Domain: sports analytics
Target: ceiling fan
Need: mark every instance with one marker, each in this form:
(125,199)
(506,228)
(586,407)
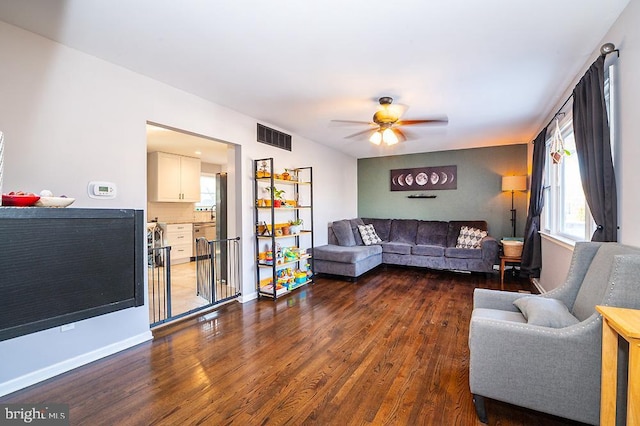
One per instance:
(386,123)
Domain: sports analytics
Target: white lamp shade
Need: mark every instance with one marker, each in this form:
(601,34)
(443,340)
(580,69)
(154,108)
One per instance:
(514,183)
(389,137)
(376,138)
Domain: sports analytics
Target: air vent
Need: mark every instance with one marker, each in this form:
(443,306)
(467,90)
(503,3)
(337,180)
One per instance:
(273,137)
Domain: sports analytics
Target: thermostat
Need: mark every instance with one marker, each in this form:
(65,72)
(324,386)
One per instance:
(102,189)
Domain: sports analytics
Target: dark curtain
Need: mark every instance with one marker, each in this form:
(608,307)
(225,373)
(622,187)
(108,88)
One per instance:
(593,147)
(531,251)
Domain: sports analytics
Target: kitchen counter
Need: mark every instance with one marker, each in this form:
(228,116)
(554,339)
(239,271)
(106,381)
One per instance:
(176,222)
(203,230)
(185,222)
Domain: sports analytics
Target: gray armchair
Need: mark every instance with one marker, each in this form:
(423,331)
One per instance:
(548,357)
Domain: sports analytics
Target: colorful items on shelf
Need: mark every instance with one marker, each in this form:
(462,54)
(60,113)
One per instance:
(288,174)
(290,278)
(268,289)
(263,171)
(300,276)
(290,255)
(283,255)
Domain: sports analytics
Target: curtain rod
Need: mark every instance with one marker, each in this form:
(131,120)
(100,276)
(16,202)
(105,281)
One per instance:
(605,49)
(559,111)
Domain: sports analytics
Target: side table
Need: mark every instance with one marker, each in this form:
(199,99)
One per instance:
(503,262)
(626,323)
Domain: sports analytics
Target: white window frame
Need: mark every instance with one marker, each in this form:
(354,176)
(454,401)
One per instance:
(202,206)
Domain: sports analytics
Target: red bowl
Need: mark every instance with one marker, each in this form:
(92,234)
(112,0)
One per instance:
(19,200)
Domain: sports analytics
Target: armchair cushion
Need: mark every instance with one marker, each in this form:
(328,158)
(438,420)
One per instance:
(497,314)
(545,312)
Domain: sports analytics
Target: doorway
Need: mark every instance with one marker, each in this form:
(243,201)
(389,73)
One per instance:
(179,214)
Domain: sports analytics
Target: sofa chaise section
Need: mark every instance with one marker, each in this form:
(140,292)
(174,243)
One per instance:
(346,261)
(346,254)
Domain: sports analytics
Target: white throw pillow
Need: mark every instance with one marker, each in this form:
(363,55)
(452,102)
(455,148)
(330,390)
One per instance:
(470,238)
(368,234)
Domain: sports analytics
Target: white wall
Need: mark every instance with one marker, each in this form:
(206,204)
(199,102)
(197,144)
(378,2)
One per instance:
(625,34)
(69,118)
(556,257)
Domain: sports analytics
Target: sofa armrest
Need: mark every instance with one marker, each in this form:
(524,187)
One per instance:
(490,249)
(495,299)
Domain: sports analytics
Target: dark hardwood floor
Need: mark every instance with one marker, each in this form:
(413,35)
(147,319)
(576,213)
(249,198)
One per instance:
(390,349)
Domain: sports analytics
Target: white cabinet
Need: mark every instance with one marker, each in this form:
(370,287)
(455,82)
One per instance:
(180,237)
(173,178)
(190,179)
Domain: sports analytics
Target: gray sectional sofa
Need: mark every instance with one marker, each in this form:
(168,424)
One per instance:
(409,242)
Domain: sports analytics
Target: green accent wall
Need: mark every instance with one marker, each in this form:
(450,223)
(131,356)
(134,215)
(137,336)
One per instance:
(479,194)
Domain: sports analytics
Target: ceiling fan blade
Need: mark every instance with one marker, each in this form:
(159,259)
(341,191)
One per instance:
(347,122)
(401,135)
(422,122)
(363,132)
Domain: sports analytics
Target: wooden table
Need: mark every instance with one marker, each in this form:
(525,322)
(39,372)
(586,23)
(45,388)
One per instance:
(503,261)
(626,323)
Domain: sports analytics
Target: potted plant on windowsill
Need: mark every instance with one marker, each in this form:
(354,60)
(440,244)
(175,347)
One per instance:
(278,198)
(295,226)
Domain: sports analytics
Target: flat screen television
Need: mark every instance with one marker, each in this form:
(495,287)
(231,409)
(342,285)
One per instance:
(61,265)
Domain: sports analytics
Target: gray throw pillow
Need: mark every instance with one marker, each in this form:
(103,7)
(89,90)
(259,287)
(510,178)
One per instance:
(343,232)
(354,229)
(545,312)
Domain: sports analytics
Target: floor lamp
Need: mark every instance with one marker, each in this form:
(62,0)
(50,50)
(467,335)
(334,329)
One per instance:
(514,183)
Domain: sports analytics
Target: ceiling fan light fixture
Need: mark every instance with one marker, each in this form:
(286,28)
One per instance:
(385,126)
(376,138)
(389,137)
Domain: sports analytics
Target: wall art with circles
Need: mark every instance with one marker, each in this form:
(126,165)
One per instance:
(424,178)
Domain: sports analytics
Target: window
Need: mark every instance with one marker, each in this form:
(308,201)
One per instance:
(566,213)
(207,192)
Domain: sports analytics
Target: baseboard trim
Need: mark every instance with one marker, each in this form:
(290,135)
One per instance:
(247,298)
(536,284)
(69,364)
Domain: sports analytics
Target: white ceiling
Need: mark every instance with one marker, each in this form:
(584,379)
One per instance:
(174,142)
(496,68)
